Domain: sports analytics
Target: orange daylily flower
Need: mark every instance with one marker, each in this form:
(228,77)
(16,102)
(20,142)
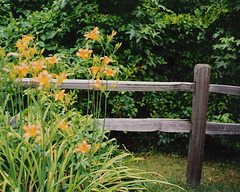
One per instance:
(62,76)
(64,125)
(94,34)
(26,54)
(33,50)
(23,43)
(41,52)
(6,70)
(94,70)
(42,79)
(110,72)
(60,95)
(106,60)
(14,54)
(96,59)
(83,147)
(52,60)
(98,85)
(113,33)
(38,139)
(26,39)
(12,73)
(37,65)
(84,53)
(22,70)
(20,45)
(109,38)
(31,130)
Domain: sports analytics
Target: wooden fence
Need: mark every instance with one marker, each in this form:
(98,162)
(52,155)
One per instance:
(197,126)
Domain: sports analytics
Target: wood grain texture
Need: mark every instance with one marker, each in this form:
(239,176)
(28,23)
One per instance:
(198,130)
(222,128)
(147,125)
(224,89)
(166,125)
(141,86)
(131,85)
(122,85)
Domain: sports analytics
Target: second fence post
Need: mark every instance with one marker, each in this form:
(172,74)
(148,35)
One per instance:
(199,117)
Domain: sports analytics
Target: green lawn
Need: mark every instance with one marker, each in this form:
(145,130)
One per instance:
(217,175)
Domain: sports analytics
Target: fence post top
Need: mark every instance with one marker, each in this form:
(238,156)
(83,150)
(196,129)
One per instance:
(202,66)
(201,69)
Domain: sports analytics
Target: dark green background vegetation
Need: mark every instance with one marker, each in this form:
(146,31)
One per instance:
(160,42)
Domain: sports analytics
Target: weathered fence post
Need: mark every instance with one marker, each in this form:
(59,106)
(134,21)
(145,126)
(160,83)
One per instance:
(199,117)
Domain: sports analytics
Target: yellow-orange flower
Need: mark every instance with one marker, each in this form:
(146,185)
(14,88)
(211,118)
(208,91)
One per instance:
(94,70)
(60,95)
(62,76)
(33,50)
(83,147)
(22,70)
(113,33)
(84,53)
(26,39)
(106,60)
(109,38)
(38,139)
(52,60)
(14,54)
(64,125)
(37,65)
(26,54)
(110,72)
(96,59)
(94,34)
(98,85)
(31,130)
(23,43)
(42,79)
(12,73)
(20,45)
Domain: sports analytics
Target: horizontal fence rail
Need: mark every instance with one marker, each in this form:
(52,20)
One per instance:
(147,125)
(141,86)
(167,125)
(158,124)
(122,85)
(224,89)
(197,127)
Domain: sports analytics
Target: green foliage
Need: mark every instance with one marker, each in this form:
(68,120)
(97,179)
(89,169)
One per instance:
(161,42)
(123,105)
(46,144)
(226,60)
(5,11)
(175,38)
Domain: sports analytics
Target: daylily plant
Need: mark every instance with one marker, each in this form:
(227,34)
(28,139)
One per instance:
(46,144)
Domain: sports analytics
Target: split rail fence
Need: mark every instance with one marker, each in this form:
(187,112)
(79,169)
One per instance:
(197,126)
